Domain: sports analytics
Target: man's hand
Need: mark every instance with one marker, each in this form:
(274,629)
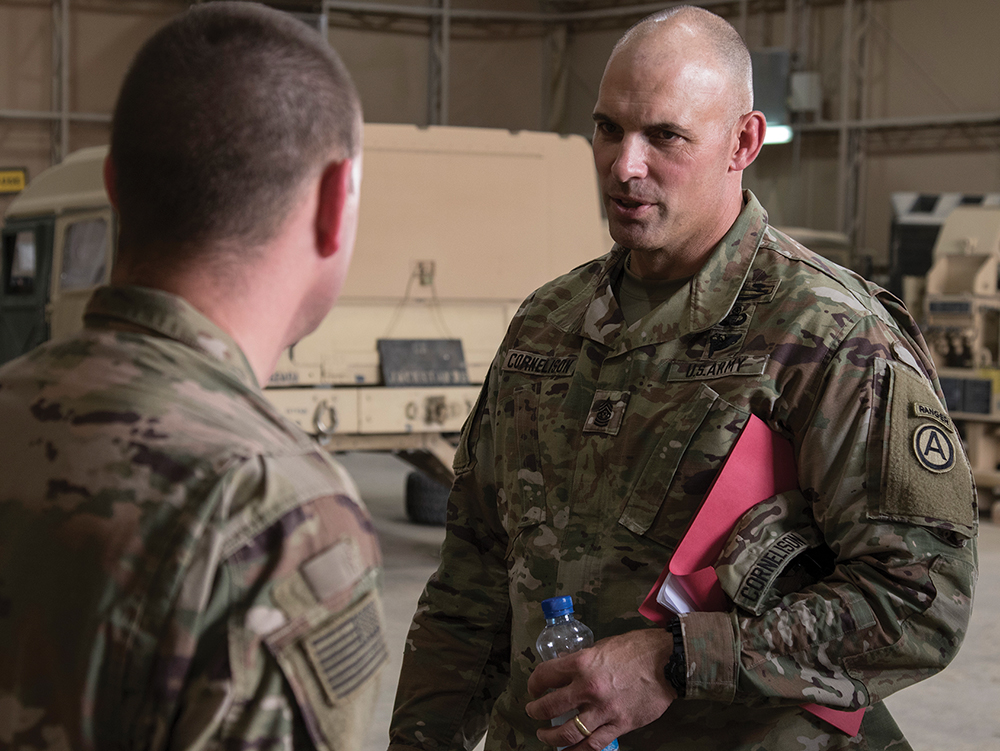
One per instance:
(617,686)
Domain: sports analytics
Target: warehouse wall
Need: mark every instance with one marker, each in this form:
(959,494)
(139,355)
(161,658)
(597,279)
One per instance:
(928,57)
(104,36)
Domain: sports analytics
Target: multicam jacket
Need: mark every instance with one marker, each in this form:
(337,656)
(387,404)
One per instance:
(593,446)
(180,567)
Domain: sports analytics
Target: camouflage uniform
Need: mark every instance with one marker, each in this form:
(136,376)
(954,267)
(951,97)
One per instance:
(594,444)
(179,566)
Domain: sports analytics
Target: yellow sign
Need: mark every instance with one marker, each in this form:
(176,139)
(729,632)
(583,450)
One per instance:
(13,180)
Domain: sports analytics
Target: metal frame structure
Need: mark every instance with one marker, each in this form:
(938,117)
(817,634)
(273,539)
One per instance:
(852,128)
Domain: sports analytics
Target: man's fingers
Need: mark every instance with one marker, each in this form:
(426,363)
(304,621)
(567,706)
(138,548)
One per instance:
(552,674)
(551,705)
(571,736)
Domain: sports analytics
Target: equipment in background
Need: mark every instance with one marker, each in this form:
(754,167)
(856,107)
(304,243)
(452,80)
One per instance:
(916,223)
(961,310)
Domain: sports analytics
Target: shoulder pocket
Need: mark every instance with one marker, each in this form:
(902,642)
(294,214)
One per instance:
(917,468)
(332,663)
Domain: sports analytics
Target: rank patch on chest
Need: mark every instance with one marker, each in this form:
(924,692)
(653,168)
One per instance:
(934,448)
(606,412)
(535,364)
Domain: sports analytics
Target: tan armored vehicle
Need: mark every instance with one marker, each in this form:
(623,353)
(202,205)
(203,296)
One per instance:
(457,226)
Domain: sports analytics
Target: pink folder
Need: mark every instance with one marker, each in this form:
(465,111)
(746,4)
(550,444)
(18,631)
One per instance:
(761,465)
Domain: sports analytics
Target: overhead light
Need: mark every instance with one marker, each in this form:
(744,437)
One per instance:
(778,134)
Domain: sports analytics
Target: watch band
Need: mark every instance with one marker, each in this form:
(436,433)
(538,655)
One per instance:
(675,671)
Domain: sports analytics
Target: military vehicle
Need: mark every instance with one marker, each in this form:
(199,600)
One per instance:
(457,226)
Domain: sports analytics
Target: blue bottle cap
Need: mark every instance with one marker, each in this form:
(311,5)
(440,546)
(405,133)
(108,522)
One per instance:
(557,606)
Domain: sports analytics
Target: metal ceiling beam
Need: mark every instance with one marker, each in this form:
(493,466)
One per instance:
(469,14)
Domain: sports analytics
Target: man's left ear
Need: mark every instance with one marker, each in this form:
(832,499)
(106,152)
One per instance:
(750,139)
(336,187)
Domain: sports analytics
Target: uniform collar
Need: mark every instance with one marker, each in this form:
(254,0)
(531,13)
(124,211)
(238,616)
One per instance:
(594,313)
(168,316)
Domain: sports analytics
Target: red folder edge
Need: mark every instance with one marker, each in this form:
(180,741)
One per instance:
(761,465)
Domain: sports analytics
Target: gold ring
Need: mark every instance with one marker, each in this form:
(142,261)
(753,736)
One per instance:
(581,727)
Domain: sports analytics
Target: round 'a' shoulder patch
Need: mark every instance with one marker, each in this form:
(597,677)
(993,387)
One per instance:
(934,448)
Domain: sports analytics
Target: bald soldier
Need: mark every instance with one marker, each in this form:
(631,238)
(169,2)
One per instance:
(581,480)
(180,566)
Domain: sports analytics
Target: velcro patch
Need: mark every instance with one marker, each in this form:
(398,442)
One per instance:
(761,577)
(334,570)
(606,412)
(702,370)
(926,478)
(934,448)
(933,412)
(759,291)
(349,650)
(535,364)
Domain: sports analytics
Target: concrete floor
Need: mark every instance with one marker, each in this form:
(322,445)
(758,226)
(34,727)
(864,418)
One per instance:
(958,710)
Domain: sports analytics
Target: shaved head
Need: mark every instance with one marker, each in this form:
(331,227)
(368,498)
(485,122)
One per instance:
(692,26)
(674,128)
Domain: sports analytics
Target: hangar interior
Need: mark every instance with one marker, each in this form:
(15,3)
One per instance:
(893,108)
(883,96)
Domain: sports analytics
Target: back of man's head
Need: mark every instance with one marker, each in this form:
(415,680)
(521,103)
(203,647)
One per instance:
(223,114)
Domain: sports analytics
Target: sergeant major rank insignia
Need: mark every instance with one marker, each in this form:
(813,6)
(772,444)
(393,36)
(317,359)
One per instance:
(606,412)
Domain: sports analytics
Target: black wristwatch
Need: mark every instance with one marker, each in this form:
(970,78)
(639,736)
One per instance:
(675,671)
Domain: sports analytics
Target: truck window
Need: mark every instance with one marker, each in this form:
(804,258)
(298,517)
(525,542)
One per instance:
(19,263)
(84,254)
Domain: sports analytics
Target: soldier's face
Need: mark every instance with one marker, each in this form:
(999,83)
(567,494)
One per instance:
(664,142)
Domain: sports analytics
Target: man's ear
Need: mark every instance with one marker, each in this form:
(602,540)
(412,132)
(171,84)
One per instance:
(335,188)
(750,139)
(111,181)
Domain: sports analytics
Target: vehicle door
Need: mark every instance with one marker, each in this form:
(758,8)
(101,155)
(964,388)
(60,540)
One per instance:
(27,255)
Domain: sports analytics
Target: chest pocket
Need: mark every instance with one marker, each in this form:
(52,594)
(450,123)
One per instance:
(666,495)
(521,460)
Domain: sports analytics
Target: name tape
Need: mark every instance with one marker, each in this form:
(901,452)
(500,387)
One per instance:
(535,364)
(698,370)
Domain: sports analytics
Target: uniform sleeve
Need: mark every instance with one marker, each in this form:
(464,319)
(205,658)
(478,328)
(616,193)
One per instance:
(456,659)
(281,613)
(890,496)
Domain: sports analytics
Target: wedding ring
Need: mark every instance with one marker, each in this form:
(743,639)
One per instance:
(581,727)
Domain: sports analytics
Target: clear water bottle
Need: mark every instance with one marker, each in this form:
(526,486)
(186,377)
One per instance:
(564,634)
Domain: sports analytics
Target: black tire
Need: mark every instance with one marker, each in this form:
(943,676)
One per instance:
(426,500)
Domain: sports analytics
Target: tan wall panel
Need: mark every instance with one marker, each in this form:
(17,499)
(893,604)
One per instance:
(389,71)
(102,45)
(496,83)
(25,57)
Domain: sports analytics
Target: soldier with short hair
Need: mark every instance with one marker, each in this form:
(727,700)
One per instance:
(580,474)
(180,566)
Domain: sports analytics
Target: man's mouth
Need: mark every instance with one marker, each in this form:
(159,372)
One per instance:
(627,203)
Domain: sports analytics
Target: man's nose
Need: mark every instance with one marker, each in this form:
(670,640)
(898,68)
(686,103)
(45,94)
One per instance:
(630,161)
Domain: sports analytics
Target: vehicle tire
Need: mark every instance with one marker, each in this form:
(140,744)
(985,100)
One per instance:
(426,500)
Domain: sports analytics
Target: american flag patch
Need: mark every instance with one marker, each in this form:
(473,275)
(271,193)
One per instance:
(349,651)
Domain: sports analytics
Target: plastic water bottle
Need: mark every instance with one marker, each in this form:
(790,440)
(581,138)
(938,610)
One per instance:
(564,634)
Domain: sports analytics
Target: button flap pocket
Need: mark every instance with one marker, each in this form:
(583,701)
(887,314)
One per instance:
(646,495)
(773,550)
